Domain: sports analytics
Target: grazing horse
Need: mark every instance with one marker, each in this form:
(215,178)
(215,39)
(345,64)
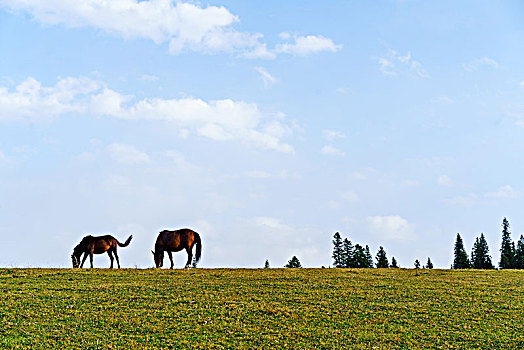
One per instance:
(97,245)
(175,241)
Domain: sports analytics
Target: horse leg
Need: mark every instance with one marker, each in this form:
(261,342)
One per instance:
(117,260)
(189,257)
(90,249)
(83,260)
(171,259)
(110,258)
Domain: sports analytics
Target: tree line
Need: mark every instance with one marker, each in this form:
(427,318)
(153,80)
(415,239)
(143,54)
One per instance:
(511,257)
(347,255)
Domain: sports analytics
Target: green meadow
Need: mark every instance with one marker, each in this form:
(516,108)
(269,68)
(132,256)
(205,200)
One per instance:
(261,308)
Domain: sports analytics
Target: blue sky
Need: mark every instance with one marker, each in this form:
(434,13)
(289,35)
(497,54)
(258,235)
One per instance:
(265,126)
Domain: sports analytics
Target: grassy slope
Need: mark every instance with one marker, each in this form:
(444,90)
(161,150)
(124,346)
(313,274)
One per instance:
(274,308)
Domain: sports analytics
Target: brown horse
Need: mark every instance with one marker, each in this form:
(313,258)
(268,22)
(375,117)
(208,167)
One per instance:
(97,245)
(175,241)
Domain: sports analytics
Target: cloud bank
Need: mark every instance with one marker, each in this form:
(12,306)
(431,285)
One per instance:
(183,26)
(219,120)
(393,227)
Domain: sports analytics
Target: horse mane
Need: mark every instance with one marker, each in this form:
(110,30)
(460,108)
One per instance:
(80,247)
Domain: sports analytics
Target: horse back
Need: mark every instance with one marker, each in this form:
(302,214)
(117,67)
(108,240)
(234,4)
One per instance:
(175,240)
(98,244)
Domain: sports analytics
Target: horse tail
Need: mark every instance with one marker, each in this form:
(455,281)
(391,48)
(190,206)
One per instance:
(198,243)
(128,240)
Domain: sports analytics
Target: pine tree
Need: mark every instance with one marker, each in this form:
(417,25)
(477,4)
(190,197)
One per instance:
(461,260)
(417,264)
(480,258)
(293,263)
(359,256)
(266,265)
(519,254)
(382,260)
(369,257)
(394,262)
(337,251)
(347,253)
(429,264)
(507,248)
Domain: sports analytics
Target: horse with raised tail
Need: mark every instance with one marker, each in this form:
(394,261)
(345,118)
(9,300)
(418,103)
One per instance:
(90,245)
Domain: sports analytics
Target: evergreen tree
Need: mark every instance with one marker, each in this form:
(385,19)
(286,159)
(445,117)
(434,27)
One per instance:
(519,254)
(359,257)
(417,264)
(266,265)
(394,262)
(293,263)
(369,257)
(480,258)
(461,260)
(507,248)
(347,253)
(429,264)
(338,253)
(382,260)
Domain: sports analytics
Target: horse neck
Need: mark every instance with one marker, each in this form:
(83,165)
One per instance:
(78,250)
(159,244)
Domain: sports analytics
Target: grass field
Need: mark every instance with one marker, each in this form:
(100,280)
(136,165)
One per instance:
(265,308)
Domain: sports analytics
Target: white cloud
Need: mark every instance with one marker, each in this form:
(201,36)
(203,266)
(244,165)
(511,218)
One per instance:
(521,83)
(480,62)
(258,174)
(285,36)
(184,133)
(443,99)
(305,45)
(444,180)
(272,223)
(3,158)
(503,192)
(127,154)
(350,196)
(359,175)
(116,181)
(179,160)
(387,66)
(330,150)
(260,51)
(267,78)
(411,183)
(32,102)
(183,25)
(463,200)
(395,64)
(391,227)
(520,123)
(86,157)
(219,120)
(147,77)
(261,174)
(332,134)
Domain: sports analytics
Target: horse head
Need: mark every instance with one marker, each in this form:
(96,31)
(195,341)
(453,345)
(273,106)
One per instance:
(75,260)
(158,257)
